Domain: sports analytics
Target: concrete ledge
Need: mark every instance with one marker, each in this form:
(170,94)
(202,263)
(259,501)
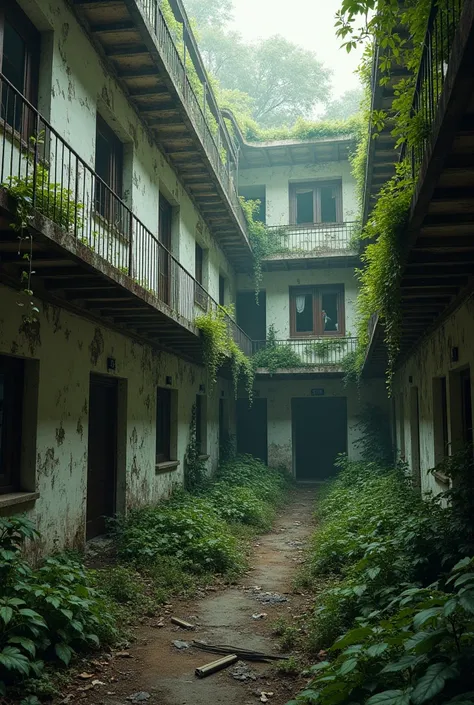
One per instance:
(167,466)
(16,499)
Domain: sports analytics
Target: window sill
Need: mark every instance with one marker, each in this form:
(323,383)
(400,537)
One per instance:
(166,466)
(203,456)
(441,477)
(16,499)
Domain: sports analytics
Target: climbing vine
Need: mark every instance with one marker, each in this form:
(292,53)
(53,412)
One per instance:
(263,241)
(194,467)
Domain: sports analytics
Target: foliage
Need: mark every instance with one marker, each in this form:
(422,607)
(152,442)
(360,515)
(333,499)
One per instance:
(375,441)
(324,348)
(344,107)
(219,345)
(213,13)
(402,583)
(274,356)
(194,468)
(303,129)
(45,613)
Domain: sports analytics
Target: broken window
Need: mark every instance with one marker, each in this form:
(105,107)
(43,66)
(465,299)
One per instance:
(315,203)
(316,311)
(11,398)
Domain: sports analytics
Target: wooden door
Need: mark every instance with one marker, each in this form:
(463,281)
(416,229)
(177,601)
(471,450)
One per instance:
(102,454)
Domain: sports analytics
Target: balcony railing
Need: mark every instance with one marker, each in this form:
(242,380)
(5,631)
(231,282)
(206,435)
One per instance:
(313,352)
(442,24)
(209,124)
(318,239)
(45,173)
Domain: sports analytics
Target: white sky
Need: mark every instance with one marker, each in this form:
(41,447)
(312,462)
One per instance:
(309,23)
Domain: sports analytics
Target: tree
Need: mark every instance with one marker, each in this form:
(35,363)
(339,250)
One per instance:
(210,13)
(345,106)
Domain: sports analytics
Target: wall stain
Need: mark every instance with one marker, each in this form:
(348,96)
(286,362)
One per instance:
(60,434)
(96,347)
(80,428)
(31,331)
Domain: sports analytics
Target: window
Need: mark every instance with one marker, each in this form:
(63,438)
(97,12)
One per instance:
(163,425)
(315,202)
(199,293)
(11,398)
(164,258)
(466,406)
(316,311)
(256,193)
(440,419)
(201,424)
(109,167)
(221,290)
(19,61)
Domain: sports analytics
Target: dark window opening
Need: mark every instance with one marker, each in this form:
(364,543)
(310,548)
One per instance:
(256,193)
(11,402)
(305,208)
(328,204)
(19,62)
(109,167)
(466,406)
(164,258)
(221,290)
(199,419)
(251,317)
(163,425)
(317,311)
(199,293)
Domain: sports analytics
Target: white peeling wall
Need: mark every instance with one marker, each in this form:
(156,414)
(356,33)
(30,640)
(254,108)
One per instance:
(279,394)
(68,349)
(277,178)
(433,359)
(74,86)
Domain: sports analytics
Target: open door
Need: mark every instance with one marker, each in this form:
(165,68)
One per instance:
(252,428)
(102,454)
(319,435)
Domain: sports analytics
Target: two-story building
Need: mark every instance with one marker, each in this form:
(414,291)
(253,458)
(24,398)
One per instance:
(305,414)
(119,224)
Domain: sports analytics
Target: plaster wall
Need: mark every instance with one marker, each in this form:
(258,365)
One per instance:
(75,85)
(433,359)
(67,349)
(277,284)
(279,394)
(276,180)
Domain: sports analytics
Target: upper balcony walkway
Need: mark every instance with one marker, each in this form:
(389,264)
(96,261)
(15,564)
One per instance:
(89,252)
(326,355)
(309,246)
(163,76)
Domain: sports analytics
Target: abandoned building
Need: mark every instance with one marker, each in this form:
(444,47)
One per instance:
(120,224)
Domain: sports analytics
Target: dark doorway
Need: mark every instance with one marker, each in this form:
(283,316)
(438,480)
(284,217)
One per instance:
(319,434)
(466,403)
(252,428)
(252,317)
(164,258)
(102,460)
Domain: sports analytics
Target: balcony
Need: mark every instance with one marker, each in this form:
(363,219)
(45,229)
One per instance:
(324,356)
(163,76)
(309,246)
(89,251)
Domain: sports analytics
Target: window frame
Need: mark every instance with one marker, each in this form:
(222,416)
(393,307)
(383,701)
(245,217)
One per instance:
(107,206)
(23,26)
(317,292)
(12,430)
(200,294)
(163,425)
(315,187)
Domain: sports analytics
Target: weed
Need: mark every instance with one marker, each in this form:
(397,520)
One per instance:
(289,667)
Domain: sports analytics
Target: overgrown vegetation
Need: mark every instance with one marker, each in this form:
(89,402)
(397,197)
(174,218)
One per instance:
(276,355)
(397,617)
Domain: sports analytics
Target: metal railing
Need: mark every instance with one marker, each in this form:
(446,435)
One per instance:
(46,174)
(442,24)
(317,239)
(312,352)
(211,130)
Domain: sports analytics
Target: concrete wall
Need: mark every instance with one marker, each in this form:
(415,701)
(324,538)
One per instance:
(67,349)
(279,394)
(432,360)
(276,180)
(74,86)
(277,284)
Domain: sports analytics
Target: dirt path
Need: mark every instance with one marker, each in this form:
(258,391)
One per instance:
(165,674)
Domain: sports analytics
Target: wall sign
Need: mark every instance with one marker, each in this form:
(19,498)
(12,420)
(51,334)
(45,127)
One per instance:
(111,364)
(317,392)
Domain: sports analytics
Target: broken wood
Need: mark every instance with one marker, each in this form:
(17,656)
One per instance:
(215,666)
(181,623)
(244,654)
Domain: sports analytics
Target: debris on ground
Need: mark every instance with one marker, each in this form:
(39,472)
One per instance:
(182,623)
(241,672)
(139,697)
(259,615)
(264,696)
(269,598)
(181,645)
(122,654)
(214,666)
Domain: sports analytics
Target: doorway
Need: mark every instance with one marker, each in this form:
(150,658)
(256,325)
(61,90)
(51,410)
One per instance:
(251,317)
(415,437)
(252,428)
(102,454)
(319,435)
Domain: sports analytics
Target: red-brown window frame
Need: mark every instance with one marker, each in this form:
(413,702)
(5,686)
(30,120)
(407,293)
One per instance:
(315,186)
(317,293)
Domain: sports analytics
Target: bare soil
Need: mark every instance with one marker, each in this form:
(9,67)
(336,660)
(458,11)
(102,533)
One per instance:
(154,666)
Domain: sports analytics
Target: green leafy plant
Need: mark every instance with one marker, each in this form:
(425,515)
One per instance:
(194,467)
(274,355)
